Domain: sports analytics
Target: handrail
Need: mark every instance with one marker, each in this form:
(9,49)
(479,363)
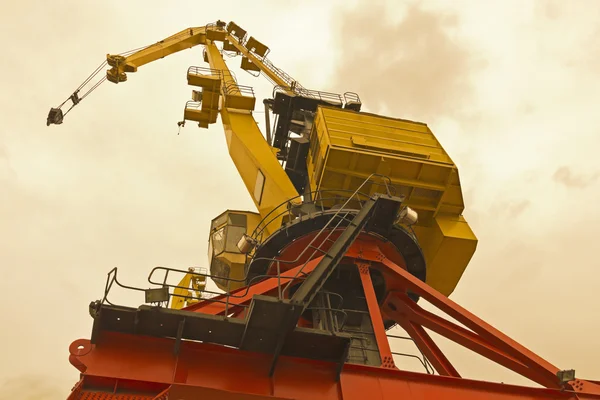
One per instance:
(205,71)
(222,298)
(193,104)
(387,183)
(325,227)
(426,363)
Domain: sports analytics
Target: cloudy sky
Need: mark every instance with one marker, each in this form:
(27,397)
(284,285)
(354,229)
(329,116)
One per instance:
(510,88)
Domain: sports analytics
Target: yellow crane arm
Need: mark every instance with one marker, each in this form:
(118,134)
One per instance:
(254,158)
(253,51)
(185,39)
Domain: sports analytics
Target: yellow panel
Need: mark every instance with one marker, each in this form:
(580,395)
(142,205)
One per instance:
(208,82)
(256,47)
(236,30)
(448,247)
(348,146)
(228,46)
(205,113)
(214,34)
(405,151)
(240,102)
(196,115)
(248,65)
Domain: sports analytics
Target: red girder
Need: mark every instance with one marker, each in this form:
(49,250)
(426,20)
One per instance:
(266,286)
(376,318)
(419,318)
(424,342)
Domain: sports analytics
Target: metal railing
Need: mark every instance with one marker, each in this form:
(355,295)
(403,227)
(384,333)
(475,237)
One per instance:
(341,214)
(194,105)
(206,294)
(324,235)
(335,313)
(232,88)
(328,97)
(351,97)
(422,359)
(284,76)
(229,86)
(329,229)
(205,71)
(337,197)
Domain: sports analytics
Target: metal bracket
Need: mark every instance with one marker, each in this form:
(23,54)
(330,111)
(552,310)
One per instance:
(178,338)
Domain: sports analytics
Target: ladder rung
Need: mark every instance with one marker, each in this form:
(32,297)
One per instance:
(317,249)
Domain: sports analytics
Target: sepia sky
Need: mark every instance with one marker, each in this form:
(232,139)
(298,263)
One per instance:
(510,88)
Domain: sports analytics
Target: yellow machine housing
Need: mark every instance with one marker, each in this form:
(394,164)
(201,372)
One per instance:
(348,146)
(227,262)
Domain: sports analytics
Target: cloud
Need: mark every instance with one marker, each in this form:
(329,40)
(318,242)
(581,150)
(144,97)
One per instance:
(6,171)
(417,67)
(565,176)
(510,208)
(548,8)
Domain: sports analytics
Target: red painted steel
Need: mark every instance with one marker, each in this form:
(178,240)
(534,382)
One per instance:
(202,369)
(245,294)
(127,365)
(387,360)
(424,342)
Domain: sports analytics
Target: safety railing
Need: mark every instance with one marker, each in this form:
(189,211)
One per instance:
(205,71)
(328,97)
(418,355)
(232,88)
(351,97)
(111,279)
(284,76)
(194,105)
(323,200)
(314,249)
(292,85)
(422,358)
(334,312)
(342,214)
(324,235)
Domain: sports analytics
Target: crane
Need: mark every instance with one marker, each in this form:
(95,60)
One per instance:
(407,151)
(359,216)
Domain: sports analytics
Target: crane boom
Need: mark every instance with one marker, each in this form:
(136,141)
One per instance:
(253,51)
(185,39)
(191,37)
(254,158)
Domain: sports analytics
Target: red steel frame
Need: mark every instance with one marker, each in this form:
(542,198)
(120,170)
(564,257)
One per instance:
(121,363)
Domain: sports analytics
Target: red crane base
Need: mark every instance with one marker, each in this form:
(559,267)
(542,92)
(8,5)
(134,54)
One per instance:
(128,366)
(146,368)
